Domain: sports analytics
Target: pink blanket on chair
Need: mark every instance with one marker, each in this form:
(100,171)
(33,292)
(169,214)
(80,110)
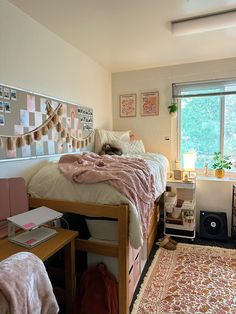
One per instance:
(130,176)
(25,286)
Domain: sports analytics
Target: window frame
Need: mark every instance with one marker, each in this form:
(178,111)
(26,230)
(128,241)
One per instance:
(222,95)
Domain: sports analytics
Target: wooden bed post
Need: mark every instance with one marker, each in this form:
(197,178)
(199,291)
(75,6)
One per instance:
(123,260)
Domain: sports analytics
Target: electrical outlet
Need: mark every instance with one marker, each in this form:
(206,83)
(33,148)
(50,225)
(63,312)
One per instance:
(57,223)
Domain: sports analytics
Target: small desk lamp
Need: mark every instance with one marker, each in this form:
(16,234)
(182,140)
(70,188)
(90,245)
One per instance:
(189,163)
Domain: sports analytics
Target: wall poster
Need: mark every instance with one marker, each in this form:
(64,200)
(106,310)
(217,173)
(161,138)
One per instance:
(149,104)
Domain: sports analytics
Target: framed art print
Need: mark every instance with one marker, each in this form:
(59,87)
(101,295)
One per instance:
(128,105)
(149,104)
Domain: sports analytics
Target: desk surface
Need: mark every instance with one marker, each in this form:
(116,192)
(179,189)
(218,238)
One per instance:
(181,183)
(44,250)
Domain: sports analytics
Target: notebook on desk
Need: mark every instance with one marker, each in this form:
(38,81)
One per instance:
(34,218)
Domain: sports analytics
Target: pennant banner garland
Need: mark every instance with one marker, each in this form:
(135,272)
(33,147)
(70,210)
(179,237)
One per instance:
(73,131)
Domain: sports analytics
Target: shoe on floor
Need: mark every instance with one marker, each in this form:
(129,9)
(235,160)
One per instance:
(167,243)
(172,240)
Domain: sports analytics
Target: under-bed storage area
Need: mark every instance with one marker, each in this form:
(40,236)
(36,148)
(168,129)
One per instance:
(137,257)
(129,261)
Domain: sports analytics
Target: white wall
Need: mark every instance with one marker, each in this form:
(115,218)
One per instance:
(211,195)
(153,130)
(215,196)
(33,58)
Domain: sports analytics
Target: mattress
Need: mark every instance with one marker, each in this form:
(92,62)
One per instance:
(49,183)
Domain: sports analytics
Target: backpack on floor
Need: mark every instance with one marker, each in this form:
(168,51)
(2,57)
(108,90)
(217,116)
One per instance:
(98,291)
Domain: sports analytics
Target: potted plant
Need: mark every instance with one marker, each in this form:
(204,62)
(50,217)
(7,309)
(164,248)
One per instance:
(220,163)
(173,108)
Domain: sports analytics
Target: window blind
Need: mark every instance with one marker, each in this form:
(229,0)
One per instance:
(204,88)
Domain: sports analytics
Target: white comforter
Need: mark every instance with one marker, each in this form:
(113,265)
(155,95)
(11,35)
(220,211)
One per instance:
(48,182)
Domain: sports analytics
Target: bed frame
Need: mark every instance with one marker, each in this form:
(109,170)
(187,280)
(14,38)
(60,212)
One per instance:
(120,250)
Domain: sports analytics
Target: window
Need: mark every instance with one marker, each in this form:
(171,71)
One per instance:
(207,119)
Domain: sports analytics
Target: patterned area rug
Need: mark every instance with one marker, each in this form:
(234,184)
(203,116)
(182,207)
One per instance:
(193,279)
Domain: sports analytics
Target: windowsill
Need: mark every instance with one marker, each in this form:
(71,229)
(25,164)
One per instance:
(212,178)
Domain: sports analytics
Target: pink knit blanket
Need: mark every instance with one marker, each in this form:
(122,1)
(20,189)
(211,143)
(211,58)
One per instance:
(130,176)
(25,287)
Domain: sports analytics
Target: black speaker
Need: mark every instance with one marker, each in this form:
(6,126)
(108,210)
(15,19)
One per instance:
(213,225)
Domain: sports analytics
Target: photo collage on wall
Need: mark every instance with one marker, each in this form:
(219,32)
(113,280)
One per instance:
(86,118)
(34,125)
(6,95)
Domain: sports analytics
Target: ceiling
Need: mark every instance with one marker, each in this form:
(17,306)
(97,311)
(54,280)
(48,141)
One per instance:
(124,35)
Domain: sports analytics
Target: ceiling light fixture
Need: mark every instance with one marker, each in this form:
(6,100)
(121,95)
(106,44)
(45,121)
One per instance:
(204,23)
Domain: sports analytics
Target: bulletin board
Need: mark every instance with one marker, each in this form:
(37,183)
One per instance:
(34,125)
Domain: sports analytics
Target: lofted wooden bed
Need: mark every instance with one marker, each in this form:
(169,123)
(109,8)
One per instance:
(129,260)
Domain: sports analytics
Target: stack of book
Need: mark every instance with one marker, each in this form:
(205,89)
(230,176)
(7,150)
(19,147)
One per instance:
(176,221)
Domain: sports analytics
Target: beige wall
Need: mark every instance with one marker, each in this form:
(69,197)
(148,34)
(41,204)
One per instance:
(33,58)
(215,195)
(153,130)
(211,195)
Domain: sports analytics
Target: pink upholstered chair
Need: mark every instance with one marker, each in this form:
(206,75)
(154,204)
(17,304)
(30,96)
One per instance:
(13,200)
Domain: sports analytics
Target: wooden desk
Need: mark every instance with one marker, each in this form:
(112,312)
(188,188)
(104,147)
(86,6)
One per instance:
(63,239)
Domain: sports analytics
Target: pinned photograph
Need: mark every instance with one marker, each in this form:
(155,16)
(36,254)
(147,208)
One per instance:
(69,148)
(73,132)
(61,148)
(51,147)
(54,135)
(68,123)
(54,104)
(7,107)
(149,104)
(39,148)
(79,134)
(1,91)
(128,105)
(13,94)
(1,106)
(76,123)
(73,111)
(64,110)
(24,117)
(43,104)
(26,151)
(31,103)
(11,153)
(2,119)
(38,119)
(19,129)
(6,93)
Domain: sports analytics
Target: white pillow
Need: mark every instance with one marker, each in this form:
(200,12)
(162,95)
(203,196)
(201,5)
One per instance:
(104,136)
(103,229)
(133,147)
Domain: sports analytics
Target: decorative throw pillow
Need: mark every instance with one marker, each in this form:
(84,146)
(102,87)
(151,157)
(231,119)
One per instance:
(104,136)
(133,147)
